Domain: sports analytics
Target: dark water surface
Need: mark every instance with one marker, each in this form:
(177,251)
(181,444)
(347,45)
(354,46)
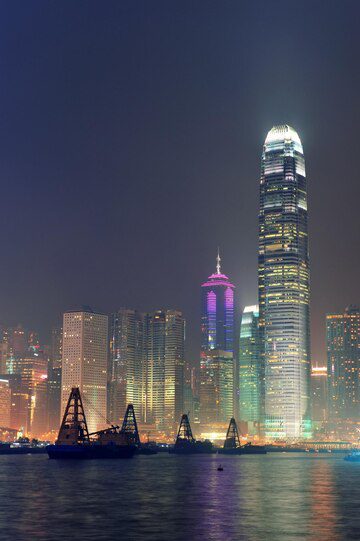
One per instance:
(167,497)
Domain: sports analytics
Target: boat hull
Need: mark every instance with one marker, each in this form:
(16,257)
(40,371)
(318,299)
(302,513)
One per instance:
(88,452)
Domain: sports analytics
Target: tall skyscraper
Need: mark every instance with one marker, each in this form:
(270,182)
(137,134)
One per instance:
(217,314)
(251,370)
(84,363)
(164,344)
(127,367)
(217,348)
(343,364)
(284,285)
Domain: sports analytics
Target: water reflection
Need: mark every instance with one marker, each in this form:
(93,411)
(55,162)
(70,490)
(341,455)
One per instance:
(171,498)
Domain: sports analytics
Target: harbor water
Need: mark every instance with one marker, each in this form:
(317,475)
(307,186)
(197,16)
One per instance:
(280,497)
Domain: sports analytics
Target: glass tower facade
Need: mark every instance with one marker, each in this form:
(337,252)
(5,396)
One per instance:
(343,368)
(284,285)
(251,373)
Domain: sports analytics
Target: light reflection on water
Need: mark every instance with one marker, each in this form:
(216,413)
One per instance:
(165,497)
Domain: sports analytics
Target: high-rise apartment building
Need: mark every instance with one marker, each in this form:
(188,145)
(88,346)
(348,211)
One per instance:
(217,348)
(84,363)
(127,366)
(164,345)
(343,364)
(251,369)
(284,285)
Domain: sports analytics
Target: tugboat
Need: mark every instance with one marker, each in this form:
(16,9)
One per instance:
(232,444)
(185,442)
(75,442)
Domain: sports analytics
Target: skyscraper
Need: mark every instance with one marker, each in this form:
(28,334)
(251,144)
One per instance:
(84,363)
(284,285)
(164,344)
(217,348)
(251,369)
(343,364)
(127,367)
(217,313)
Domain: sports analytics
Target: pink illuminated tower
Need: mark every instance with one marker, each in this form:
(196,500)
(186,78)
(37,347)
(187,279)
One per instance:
(217,314)
(217,347)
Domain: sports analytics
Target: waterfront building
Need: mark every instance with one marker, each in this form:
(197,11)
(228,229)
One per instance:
(343,364)
(164,345)
(251,370)
(5,403)
(284,285)
(319,383)
(32,369)
(216,387)
(217,344)
(84,363)
(127,366)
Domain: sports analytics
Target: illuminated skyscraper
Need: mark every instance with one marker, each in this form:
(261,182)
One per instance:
(164,343)
(343,367)
(217,348)
(127,374)
(284,285)
(251,369)
(84,363)
(5,403)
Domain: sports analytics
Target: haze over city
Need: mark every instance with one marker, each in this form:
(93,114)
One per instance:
(131,145)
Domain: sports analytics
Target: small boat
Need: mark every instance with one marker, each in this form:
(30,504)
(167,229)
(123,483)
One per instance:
(353,457)
(220,468)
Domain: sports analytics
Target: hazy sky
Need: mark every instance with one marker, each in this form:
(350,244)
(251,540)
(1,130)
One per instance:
(131,136)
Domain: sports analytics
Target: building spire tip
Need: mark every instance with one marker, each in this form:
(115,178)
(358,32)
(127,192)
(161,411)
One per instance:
(218,261)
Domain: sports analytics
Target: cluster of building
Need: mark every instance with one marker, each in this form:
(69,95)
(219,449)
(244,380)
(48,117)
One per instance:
(258,370)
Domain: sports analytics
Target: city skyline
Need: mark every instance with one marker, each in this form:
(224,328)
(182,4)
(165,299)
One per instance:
(178,146)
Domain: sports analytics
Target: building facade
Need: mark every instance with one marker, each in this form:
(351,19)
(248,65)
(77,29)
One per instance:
(251,369)
(164,346)
(319,394)
(284,290)
(127,366)
(343,364)
(84,363)
(54,379)
(217,387)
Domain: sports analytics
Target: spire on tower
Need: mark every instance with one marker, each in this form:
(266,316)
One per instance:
(218,260)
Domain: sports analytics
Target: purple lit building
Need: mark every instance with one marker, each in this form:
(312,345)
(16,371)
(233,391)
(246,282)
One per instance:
(217,314)
(217,347)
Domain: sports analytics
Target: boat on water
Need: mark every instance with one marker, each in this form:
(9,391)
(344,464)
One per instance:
(75,442)
(232,444)
(353,457)
(21,449)
(186,444)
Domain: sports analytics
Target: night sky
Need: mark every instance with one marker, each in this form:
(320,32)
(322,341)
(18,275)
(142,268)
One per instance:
(131,136)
